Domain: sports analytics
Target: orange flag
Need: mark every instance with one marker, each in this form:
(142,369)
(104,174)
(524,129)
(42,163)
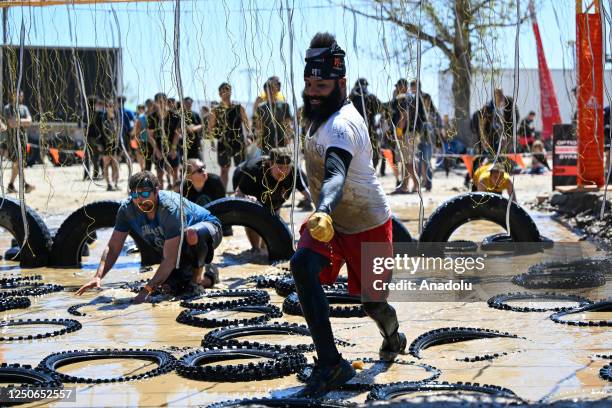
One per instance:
(469,162)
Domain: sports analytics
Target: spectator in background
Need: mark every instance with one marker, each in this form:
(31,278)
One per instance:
(498,123)
(408,140)
(93,135)
(275,83)
(143,152)
(526,131)
(111,146)
(539,164)
(193,130)
(368,106)
(429,136)
(273,121)
(18,120)
(163,127)
(228,122)
(125,122)
(200,186)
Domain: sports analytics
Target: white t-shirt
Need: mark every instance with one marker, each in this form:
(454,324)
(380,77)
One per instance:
(364,204)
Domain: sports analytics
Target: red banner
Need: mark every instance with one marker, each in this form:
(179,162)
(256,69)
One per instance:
(548,97)
(589,93)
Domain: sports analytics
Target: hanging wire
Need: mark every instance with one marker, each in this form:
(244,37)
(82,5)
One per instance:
(515,87)
(179,86)
(22,204)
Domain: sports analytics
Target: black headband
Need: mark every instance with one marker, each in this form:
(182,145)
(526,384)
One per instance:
(325,63)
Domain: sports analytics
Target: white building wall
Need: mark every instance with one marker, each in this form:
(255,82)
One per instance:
(528,98)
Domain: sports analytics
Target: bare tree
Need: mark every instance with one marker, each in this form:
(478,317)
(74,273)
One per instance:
(454,27)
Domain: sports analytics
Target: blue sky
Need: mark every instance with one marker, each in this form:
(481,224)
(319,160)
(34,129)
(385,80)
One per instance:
(224,40)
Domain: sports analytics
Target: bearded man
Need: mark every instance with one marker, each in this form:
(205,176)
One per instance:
(155,216)
(351,209)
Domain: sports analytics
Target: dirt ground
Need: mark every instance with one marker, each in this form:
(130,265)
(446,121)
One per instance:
(552,361)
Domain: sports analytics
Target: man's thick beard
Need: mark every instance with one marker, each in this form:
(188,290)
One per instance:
(328,106)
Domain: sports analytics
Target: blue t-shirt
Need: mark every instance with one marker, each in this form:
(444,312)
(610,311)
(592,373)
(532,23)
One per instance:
(167,222)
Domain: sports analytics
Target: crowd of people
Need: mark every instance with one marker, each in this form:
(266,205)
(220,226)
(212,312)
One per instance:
(404,132)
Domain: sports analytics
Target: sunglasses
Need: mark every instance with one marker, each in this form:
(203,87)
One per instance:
(143,194)
(200,170)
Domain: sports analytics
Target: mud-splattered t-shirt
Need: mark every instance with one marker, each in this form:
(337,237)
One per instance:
(167,222)
(364,205)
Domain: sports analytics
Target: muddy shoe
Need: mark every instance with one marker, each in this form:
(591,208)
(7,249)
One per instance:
(11,188)
(212,272)
(325,379)
(29,188)
(392,346)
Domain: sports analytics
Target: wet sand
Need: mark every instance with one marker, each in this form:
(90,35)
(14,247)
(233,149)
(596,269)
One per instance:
(553,361)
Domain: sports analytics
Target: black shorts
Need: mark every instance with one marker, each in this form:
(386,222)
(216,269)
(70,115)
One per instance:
(193,257)
(224,157)
(161,163)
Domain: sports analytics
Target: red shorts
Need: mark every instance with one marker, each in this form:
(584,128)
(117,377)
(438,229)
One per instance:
(347,248)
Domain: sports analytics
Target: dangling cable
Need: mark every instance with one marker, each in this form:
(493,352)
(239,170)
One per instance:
(296,127)
(128,159)
(22,203)
(514,97)
(179,86)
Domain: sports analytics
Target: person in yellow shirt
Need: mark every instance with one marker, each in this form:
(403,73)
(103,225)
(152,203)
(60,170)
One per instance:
(273,83)
(492,178)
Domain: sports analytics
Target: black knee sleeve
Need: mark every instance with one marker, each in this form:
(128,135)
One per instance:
(384,315)
(306,265)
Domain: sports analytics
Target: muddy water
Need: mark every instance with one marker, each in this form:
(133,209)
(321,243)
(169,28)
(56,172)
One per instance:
(552,360)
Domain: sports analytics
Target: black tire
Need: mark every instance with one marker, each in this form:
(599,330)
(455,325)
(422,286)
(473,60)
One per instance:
(286,286)
(284,403)
(606,372)
(192,317)
(74,309)
(226,336)
(25,287)
(478,206)
(291,305)
(461,245)
(400,232)
(13,254)
(449,335)
(244,297)
(390,391)
(68,325)
(10,303)
(576,274)
(27,376)
(277,364)
(603,306)
(80,227)
(502,241)
(165,363)
(266,281)
(15,280)
(35,252)
(358,384)
(245,213)
(501,301)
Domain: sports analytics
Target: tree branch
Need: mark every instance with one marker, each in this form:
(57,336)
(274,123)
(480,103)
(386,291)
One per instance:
(410,28)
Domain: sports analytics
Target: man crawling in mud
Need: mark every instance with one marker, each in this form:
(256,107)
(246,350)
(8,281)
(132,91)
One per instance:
(155,216)
(351,209)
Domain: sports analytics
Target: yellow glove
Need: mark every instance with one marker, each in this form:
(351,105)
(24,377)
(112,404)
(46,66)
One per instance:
(320,227)
(399,132)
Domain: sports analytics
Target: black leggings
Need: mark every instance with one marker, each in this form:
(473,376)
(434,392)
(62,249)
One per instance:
(305,267)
